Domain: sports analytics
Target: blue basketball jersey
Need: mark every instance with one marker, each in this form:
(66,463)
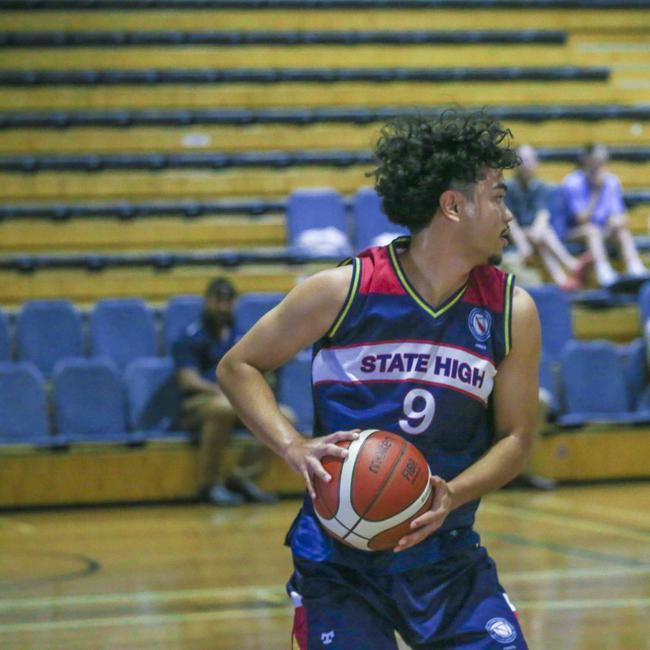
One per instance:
(393,362)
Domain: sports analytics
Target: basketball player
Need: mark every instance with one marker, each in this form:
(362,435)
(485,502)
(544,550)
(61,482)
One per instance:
(436,301)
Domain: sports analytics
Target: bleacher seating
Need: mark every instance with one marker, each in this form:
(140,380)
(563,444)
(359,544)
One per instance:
(294,390)
(122,330)
(317,223)
(372,226)
(5,338)
(89,402)
(153,398)
(179,312)
(48,331)
(23,409)
(594,386)
(250,307)
(555,318)
(193,117)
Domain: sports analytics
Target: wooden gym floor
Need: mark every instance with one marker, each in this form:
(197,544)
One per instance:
(576,562)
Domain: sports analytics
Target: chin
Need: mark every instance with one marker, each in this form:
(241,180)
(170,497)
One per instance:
(495,260)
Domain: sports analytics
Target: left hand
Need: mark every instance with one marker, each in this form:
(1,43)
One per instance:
(430,521)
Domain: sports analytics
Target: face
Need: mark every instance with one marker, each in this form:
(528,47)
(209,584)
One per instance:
(528,167)
(217,312)
(488,218)
(595,165)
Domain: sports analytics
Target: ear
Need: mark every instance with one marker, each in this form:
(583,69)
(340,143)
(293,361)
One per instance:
(450,205)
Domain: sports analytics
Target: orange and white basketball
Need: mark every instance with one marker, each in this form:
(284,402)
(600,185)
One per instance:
(375,492)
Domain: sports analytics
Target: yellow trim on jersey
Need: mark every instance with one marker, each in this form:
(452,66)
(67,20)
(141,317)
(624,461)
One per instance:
(508,310)
(354,285)
(413,293)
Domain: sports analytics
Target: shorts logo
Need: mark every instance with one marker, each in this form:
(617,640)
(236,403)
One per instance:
(479,322)
(327,637)
(501,630)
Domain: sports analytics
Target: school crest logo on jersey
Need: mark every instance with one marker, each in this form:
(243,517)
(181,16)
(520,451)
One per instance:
(480,322)
(501,630)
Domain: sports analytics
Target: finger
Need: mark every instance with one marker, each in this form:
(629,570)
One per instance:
(334,450)
(414,538)
(310,487)
(318,470)
(343,435)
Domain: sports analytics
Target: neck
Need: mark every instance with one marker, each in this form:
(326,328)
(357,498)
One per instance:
(435,265)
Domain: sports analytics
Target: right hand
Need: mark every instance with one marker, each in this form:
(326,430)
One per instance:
(304,456)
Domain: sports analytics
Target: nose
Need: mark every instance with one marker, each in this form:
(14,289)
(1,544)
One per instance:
(508,215)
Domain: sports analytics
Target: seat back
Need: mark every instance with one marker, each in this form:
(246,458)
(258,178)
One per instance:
(180,312)
(372,226)
(250,307)
(88,398)
(294,390)
(593,380)
(5,337)
(153,395)
(48,331)
(23,405)
(122,329)
(317,222)
(555,318)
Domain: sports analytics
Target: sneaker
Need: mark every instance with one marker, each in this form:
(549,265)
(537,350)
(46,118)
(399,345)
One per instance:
(605,275)
(250,491)
(219,495)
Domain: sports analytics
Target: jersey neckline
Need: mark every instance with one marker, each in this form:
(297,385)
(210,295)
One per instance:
(412,291)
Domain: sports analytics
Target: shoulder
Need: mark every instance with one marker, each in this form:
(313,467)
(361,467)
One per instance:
(525,319)
(574,179)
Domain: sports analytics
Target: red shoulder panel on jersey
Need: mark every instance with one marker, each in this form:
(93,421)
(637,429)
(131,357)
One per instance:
(486,287)
(377,274)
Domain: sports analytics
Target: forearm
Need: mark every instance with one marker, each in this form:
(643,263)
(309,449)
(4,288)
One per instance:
(253,400)
(500,465)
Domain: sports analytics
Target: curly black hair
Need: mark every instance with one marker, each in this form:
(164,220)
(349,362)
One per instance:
(419,158)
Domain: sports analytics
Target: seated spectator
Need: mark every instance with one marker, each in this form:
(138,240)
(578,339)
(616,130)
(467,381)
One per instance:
(531,229)
(207,411)
(596,214)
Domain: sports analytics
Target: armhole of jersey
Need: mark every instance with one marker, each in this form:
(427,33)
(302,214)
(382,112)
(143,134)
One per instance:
(509,290)
(352,292)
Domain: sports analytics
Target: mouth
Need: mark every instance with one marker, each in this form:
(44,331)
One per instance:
(505,236)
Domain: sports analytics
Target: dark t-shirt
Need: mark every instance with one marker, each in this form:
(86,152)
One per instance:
(526,202)
(198,349)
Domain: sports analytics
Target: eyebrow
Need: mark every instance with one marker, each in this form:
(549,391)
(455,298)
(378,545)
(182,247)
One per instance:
(500,186)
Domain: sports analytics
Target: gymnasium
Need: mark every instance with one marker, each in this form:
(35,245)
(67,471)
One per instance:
(149,146)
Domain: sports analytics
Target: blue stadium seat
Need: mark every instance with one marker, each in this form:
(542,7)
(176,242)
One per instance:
(23,406)
(635,367)
(153,397)
(5,337)
(644,303)
(594,387)
(48,331)
(317,223)
(555,317)
(122,329)
(250,307)
(89,402)
(372,226)
(548,383)
(294,390)
(180,312)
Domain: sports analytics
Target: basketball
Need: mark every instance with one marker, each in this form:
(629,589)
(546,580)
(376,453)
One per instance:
(375,492)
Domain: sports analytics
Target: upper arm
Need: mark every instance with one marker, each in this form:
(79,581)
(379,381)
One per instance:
(305,315)
(516,389)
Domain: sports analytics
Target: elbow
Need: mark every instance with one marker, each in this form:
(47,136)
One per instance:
(224,369)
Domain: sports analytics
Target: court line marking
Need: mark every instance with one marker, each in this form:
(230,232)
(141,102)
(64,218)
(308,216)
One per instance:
(170,618)
(565,520)
(275,593)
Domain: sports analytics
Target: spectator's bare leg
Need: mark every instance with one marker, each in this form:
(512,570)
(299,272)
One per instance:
(218,422)
(595,240)
(629,251)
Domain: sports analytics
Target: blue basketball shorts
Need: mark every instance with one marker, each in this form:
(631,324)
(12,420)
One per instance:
(456,604)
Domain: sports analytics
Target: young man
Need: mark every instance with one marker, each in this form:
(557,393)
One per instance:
(597,214)
(205,408)
(435,297)
(531,229)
